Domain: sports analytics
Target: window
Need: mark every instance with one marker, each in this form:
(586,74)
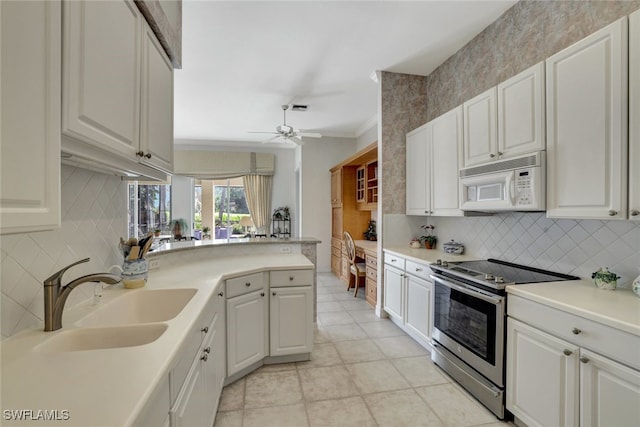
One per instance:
(149,208)
(221,204)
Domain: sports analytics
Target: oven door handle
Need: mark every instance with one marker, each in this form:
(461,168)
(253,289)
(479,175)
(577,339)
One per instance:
(495,300)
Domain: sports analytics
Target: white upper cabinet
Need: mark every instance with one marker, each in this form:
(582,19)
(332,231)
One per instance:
(433,161)
(30,123)
(480,130)
(117,91)
(507,120)
(634,116)
(587,127)
(521,113)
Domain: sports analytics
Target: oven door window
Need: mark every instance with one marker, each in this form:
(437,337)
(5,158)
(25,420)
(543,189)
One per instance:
(469,321)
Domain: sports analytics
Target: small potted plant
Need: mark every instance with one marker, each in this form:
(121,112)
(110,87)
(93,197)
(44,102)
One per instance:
(428,239)
(206,232)
(179,228)
(156,232)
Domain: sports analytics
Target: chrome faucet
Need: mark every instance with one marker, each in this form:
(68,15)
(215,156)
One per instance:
(55,295)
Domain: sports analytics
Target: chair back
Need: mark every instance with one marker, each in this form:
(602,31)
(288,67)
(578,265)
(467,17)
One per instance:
(351,247)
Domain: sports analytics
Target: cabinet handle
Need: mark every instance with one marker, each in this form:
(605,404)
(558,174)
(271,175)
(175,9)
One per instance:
(140,153)
(207,350)
(290,278)
(500,153)
(247,284)
(584,359)
(204,357)
(634,212)
(567,352)
(148,155)
(205,329)
(418,269)
(261,294)
(273,293)
(492,155)
(613,213)
(220,294)
(576,331)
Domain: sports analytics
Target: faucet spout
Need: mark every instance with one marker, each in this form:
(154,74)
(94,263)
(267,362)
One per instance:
(55,295)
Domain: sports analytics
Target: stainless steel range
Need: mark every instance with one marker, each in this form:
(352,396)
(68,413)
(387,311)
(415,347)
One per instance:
(469,322)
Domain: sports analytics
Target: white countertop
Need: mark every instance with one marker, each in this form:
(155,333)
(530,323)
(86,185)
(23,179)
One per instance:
(195,244)
(110,387)
(619,309)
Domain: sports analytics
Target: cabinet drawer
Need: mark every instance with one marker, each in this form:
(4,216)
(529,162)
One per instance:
(244,284)
(372,261)
(371,291)
(394,260)
(291,278)
(420,270)
(577,330)
(372,273)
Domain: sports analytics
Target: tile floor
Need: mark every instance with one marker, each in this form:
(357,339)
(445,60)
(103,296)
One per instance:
(364,371)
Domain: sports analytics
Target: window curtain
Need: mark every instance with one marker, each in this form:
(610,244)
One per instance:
(257,189)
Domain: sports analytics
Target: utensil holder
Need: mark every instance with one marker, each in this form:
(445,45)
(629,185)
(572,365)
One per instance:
(134,273)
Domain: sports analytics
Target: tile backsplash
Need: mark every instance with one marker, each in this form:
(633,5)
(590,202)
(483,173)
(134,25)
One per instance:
(569,246)
(94,216)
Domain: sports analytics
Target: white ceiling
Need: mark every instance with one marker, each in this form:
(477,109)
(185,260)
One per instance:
(242,60)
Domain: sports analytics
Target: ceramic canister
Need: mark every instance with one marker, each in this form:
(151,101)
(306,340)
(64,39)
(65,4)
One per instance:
(134,273)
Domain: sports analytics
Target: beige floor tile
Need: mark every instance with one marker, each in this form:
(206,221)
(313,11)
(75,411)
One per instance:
(327,383)
(366,316)
(272,388)
(454,407)
(372,377)
(232,397)
(324,307)
(320,336)
(355,304)
(404,346)
(228,419)
(346,296)
(345,332)
(382,329)
(358,351)
(420,371)
(278,416)
(402,408)
(322,355)
(277,367)
(335,318)
(350,411)
(325,298)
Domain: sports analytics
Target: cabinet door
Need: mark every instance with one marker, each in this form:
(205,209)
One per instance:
(542,377)
(609,392)
(418,177)
(101,74)
(521,113)
(418,308)
(336,188)
(446,161)
(634,115)
(247,329)
(156,138)
(291,320)
(393,284)
(190,406)
(587,127)
(209,368)
(480,139)
(30,123)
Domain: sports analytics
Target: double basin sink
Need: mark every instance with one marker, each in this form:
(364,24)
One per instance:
(130,320)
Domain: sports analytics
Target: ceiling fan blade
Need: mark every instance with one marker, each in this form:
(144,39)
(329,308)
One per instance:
(274,139)
(310,134)
(270,133)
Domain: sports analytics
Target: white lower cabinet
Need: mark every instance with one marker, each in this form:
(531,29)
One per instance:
(248,320)
(291,321)
(194,397)
(553,380)
(407,296)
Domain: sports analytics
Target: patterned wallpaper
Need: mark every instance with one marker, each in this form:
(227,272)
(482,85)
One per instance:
(402,109)
(524,35)
(94,216)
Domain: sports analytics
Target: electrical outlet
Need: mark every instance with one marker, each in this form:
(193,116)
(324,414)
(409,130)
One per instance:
(285,249)
(154,263)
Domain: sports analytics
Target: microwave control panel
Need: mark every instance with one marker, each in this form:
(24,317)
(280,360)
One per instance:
(526,187)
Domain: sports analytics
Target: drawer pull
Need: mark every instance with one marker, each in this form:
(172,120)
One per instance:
(567,352)
(220,294)
(613,212)
(204,357)
(207,350)
(584,359)
(261,294)
(247,284)
(205,329)
(273,293)
(418,269)
(290,278)
(576,331)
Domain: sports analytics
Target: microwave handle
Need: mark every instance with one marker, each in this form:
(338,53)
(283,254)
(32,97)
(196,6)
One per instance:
(511,182)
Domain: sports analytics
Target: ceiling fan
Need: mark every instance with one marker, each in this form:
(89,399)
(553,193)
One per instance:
(286,133)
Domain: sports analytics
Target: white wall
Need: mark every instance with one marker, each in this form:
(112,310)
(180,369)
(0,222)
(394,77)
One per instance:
(367,137)
(182,200)
(318,156)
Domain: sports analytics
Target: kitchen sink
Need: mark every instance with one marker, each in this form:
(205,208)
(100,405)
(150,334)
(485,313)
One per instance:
(142,306)
(102,338)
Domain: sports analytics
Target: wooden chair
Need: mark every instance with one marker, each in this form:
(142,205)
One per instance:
(358,269)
